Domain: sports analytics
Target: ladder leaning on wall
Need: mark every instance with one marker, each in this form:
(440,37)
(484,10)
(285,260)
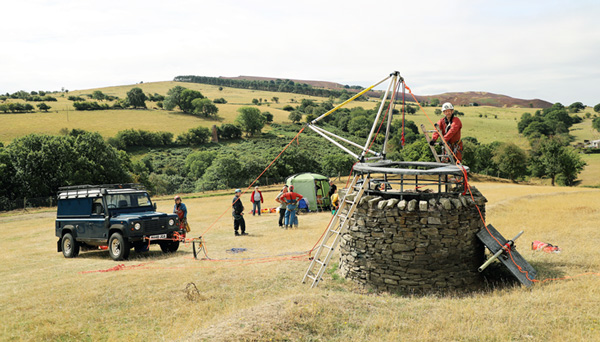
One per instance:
(337,226)
(445,156)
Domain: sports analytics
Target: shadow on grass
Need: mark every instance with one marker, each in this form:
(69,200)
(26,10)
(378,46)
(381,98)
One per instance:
(133,255)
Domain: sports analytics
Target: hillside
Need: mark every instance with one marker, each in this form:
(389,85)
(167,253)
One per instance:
(457,98)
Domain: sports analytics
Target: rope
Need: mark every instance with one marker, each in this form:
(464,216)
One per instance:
(468,187)
(250,186)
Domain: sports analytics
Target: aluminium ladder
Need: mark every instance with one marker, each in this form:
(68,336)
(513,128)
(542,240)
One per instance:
(445,157)
(334,232)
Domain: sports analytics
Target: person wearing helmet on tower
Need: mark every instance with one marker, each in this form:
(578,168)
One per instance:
(450,127)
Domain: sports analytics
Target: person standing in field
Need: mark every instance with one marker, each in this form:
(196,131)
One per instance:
(332,190)
(450,127)
(257,199)
(181,210)
(282,205)
(238,214)
(291,199)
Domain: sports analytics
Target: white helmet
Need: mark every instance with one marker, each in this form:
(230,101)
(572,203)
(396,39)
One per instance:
(447,105)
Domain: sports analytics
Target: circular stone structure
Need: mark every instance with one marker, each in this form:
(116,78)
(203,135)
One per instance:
(406,237)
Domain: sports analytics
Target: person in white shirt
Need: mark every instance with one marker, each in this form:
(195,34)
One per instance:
(257,198)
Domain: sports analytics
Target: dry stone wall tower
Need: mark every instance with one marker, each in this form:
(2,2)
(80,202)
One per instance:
(414,231)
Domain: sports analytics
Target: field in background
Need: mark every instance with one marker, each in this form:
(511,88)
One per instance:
(108,123)
(47,297)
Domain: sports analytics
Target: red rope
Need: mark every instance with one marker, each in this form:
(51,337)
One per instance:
(468,187)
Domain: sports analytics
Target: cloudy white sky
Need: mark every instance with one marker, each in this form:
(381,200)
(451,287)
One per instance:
(527,49)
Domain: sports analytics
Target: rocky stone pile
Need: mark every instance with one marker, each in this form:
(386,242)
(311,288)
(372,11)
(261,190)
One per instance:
(416,245)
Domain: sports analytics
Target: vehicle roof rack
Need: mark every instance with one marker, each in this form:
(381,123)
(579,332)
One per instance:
(81,191)
(138,186)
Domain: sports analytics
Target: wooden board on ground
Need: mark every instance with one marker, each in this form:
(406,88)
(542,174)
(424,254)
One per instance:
(527,272)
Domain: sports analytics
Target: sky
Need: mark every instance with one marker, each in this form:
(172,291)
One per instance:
(530,49)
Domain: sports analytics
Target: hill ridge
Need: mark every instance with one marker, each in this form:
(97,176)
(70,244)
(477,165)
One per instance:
(458,98)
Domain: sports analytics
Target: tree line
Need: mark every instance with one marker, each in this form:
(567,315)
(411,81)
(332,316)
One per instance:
(286,86)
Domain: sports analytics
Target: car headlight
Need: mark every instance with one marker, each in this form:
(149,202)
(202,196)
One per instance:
(137,226)
(171,222)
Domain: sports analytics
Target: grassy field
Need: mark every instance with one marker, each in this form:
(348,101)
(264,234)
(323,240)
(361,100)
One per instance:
(257,295)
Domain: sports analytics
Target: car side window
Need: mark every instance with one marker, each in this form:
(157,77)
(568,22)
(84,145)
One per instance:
(97,208)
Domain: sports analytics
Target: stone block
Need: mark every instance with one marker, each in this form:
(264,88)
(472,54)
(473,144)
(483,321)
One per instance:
(402,205)
(457,203)
(391,203)
(422,205)
(373,202)
(434,220)
(412,205)
(446,204)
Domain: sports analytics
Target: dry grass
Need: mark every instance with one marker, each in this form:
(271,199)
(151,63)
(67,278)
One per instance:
(43,296)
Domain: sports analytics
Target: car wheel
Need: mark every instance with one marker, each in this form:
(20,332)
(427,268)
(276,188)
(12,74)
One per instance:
(70,247)
(118,247)
(169,246)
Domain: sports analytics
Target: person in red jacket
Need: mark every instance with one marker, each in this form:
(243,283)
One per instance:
(256,198)
(450,127)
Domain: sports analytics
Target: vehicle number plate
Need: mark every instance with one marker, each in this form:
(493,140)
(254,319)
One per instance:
(160,236)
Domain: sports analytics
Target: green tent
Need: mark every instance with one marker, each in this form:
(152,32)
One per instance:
(313,187)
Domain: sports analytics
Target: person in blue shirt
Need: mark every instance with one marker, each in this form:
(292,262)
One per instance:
(181,210)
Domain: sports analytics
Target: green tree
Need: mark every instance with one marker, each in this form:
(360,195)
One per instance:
(173,98)
(250,120)
(196,163)
(275,99)
(545,156)
(195,136)
(337,164)
(511,161)
(255,102)
(136,98)
(44,107)
(435,102)
(596,123)
(186,98)
(575,107)
(597,108)
(418,151)
(295,116)
(225,172)
(268,117)
(571,166)
(359,126)
(229,131)
(98,95)
(204,107)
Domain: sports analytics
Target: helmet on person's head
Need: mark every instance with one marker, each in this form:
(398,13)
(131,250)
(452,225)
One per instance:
(177,198)
(446,106)
(238,190)
(291,187)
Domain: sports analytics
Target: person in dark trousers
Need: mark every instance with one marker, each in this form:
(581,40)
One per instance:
(282,205)
(256,198)
(238,214)
(450,127)
(181,210)
(332,190)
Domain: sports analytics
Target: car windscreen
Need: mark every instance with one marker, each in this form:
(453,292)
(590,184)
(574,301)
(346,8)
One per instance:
(123,201)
